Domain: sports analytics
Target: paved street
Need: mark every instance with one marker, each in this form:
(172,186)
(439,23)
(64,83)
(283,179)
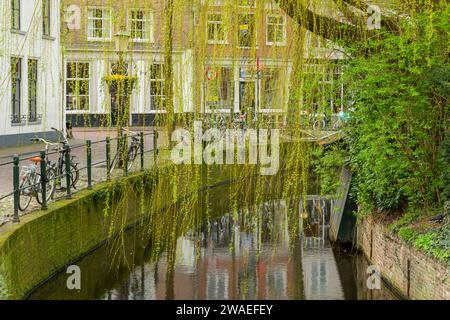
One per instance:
(97,136)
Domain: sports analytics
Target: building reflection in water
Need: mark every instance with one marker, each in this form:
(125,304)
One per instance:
(255,256)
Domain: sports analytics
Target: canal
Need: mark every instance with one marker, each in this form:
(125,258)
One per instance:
(266,251)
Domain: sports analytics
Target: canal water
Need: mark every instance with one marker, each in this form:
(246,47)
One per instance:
(252,254)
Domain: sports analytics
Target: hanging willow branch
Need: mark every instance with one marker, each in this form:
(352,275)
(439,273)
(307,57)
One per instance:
(355,12)
(168,67)
(324,26)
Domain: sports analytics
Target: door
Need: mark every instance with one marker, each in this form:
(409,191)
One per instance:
(247,97)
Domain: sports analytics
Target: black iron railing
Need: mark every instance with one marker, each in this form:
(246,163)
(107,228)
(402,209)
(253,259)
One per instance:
(65,176)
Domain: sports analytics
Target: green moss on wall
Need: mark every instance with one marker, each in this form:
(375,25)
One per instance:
(43,243)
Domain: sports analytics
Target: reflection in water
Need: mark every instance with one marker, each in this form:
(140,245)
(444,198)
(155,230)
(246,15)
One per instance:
(253,254)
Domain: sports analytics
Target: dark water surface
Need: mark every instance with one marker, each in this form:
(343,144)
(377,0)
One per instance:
(238,258)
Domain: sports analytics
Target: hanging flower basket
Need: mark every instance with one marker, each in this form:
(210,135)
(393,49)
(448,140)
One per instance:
(120,84)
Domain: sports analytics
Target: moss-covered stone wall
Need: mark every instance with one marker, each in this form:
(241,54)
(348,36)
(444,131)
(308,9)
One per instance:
(45,241)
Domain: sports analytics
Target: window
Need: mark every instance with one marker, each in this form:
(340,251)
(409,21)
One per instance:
(327,87)
(46,17)
(99,23)
(272,86)
(247,3)
(16,81)
(276,30)
(77,86)
(217,284)
(216,29)
(247,31)
(247,89)
(141,25)
(15,14)
(157,96)
(32,89)
(219,88)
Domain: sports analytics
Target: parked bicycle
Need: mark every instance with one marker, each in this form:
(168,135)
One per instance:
(31,179)
(319,121)
(63,147)
(56,170)
(31,184)
(342,119)
(131,154)
(240,121)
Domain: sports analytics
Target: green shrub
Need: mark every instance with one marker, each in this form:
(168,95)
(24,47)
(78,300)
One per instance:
(406,234)
(435,243)
(396,135)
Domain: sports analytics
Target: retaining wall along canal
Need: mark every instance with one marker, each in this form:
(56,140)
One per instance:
(45,242)
(410,271)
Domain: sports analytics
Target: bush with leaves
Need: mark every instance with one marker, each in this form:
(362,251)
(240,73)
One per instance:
(400,85)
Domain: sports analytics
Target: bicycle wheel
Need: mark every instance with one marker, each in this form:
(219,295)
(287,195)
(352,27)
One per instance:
(319,125)
(75,174)
(26,194)
(132,154)
(113,163)
(336,126)
(50,186)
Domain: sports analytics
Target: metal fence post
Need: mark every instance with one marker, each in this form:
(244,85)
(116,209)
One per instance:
(89,163)
(16,188)
(44,181)
(155,146)
(68,175)
(108,158)
(142,150)
(124,154)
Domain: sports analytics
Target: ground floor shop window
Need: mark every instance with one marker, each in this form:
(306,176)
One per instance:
(219,85)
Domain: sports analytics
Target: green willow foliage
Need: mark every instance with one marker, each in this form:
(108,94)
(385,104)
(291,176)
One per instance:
(400,85)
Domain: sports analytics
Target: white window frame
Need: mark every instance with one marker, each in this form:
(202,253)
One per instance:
(104,9)
(313,68)
(215,22)
(276,43)
(147,21)
(151,108)
(19,112)
(284,87)
(77,111)
(248,5)
(256,30)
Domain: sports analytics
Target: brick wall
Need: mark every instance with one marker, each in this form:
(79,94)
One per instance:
(413,273)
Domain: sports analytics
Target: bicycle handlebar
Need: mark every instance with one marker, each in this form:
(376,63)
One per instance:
(47,143)
(129,131)
(64,140)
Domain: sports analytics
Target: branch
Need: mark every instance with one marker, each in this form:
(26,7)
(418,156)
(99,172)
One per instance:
(391,23)
(348,12)
(333,29)
(326,27)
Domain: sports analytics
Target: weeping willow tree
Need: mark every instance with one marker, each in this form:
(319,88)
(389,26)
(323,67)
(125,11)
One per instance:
(275,63)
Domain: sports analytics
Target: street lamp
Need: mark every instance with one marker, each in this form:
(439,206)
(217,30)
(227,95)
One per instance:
(121,40)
